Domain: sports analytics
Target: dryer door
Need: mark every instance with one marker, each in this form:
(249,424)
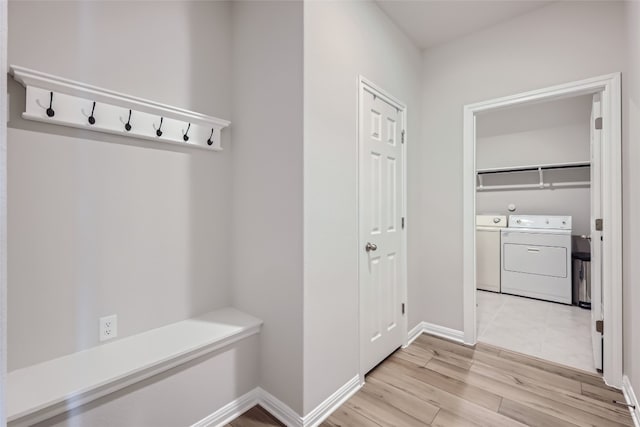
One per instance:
(535,259)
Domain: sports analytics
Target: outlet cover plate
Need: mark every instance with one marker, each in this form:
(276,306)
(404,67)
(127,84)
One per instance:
(108,327)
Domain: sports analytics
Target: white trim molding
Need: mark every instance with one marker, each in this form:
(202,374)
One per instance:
(444,332)
(3,211)
(230,411)
(333,402)
(279,409)
(630,397)
(414,333)
(56,100)
(436,330)
(609,87)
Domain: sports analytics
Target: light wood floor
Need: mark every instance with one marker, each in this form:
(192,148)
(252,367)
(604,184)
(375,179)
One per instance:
(439,383)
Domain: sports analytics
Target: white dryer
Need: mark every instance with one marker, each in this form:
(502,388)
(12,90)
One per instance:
(536,257)
(488,251)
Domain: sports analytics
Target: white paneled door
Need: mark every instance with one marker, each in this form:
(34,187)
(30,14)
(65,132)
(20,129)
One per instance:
(596,232)
(381,257)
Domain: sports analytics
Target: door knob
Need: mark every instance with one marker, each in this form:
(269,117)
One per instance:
(370,247)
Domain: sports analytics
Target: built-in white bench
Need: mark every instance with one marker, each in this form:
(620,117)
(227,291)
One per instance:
(41,391)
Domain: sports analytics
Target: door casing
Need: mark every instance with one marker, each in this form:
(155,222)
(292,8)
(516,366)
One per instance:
(611,163)
(365,84)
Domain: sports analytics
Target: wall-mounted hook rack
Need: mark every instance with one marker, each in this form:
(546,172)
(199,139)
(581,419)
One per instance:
(185,134)
(159,129)
(49,110)
(91,119)
(72,97)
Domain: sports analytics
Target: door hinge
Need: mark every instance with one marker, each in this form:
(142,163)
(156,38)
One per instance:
(599,326)
(402,308)
(403,223)
(402,136)
(598,123)
(599,224)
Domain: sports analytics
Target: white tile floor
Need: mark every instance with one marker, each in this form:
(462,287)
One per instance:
(555,332)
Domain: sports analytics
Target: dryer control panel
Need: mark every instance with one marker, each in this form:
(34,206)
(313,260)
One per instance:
(549,222)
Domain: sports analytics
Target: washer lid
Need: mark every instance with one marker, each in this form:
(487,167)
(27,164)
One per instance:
(498,221)
(554,222)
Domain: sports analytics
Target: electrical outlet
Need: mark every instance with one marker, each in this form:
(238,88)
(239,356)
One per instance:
(108,327)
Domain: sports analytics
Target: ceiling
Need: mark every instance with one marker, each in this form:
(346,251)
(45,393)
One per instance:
(432,22)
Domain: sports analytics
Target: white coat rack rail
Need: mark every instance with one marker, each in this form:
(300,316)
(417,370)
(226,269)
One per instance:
(64,102)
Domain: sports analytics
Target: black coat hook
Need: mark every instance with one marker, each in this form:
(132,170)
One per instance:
(92,120)
(185,136)
(159,130)
(210,140)
(127,125)
(50,112)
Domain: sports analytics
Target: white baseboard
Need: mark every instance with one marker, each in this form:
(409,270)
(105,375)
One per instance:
(631,399)
(279,409)
(415,333)
(230,411)
(441,331)
(333,402)
(430,328)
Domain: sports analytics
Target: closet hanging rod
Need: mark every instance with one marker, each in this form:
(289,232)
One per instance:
(530,168)
(548,186)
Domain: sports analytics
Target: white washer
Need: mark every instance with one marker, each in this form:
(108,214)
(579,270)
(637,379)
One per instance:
(536,257)
(488,251)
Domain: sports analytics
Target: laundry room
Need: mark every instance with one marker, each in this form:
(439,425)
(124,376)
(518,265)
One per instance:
(533,228)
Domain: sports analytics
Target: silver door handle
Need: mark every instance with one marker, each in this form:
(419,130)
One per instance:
(370,247)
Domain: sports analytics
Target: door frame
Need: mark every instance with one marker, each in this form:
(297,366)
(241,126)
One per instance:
(4,34)
(365,84)
(611,164)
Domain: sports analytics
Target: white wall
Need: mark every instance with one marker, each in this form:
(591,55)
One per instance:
(631,197)
(267,185)
(129,228)
(541,133)
(544,133)
(341,41)
(562,42)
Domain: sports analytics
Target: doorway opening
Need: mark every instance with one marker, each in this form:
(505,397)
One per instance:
(542,209)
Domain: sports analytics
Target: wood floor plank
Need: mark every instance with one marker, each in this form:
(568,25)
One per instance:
(603,394)
(381,412)
(554,368)
(256,417)
(409,357)
(405,402)
(479,415)
(531,416)
(549,405)
(515,366)
(577,400)
(345,416)
(448,419)
(443,354)
(529,371)
(457,388)
(420,355)
(442,383)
